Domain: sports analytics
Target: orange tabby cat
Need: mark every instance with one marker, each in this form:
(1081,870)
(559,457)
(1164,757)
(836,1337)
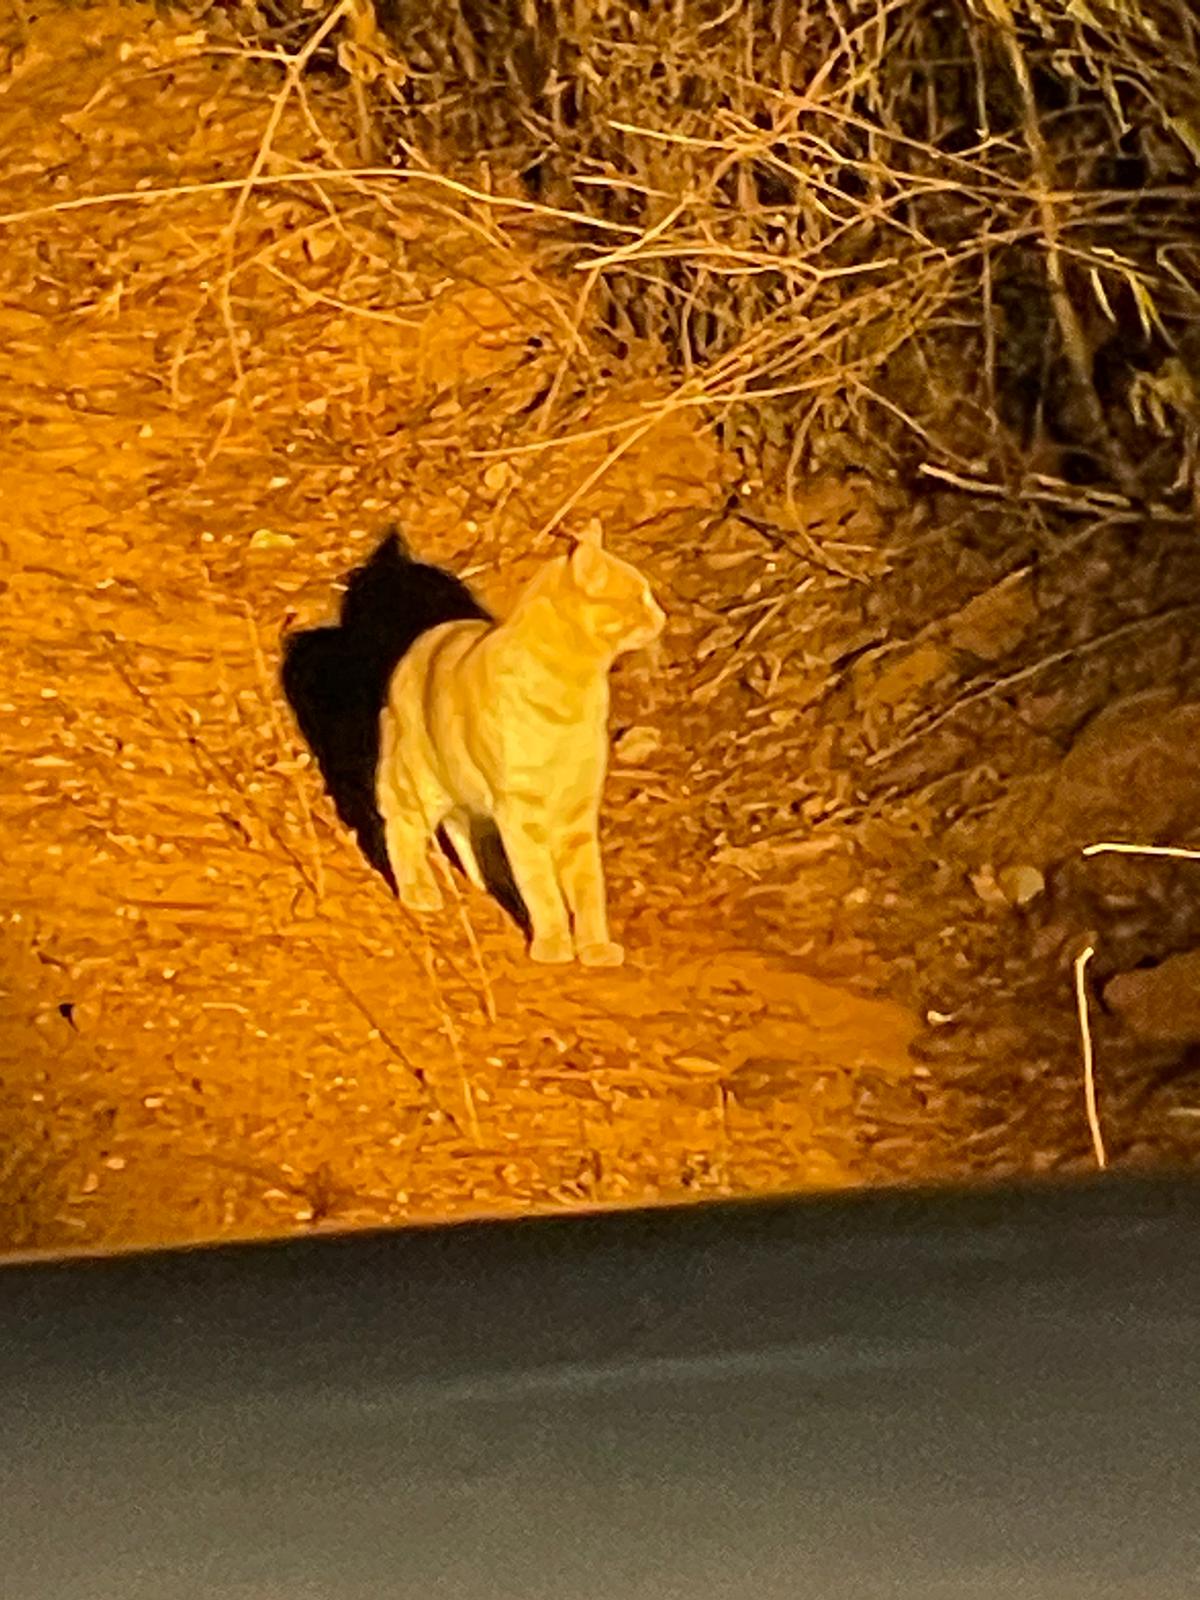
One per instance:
(509,721)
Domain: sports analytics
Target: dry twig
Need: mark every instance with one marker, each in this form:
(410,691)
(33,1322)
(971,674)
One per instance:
(1089,1072)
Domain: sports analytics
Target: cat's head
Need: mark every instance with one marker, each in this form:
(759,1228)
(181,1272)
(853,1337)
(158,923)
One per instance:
(611,599)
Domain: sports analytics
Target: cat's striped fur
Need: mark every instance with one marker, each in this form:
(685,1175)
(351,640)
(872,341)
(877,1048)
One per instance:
(508,721)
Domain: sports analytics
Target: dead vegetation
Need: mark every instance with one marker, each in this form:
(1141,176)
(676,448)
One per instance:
(952,236)
(871,333)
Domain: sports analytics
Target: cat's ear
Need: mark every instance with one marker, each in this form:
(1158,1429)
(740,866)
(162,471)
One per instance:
(588,567)
(593,533)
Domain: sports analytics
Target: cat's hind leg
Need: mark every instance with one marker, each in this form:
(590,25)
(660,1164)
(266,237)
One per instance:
(408,856)
(458,830)
(411,813)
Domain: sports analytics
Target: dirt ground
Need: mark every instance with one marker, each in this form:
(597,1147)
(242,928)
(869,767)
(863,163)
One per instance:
(849,909)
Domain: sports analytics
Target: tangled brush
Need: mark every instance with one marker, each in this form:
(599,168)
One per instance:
(962,234)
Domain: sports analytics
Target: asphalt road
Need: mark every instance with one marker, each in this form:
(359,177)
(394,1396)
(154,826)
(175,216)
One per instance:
(940,1396)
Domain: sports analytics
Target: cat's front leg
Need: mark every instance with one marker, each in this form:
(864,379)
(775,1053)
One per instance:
(525,839)
(582,874)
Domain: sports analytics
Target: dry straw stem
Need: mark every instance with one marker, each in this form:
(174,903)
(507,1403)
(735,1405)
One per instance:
(1034,669)
(738,378)
(1174,852)
(1075,344)
(228,241)
(1089,1064)
(454,1039)
(491,236)
(1037,488)
(310,176)
(468,927)
(418,1074)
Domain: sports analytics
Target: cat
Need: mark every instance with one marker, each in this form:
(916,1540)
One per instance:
(507,721)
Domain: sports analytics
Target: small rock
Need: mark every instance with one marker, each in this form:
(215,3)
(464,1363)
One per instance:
(773,855)
(996,621)
(987,887)
(1020,885)
(269,539)
(1160,1004)
(726,560)
(1133,773)
(699,1064)
(901,681)
(1047,943)
(636,744)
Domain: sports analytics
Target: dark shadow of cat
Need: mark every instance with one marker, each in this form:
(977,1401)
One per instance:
(336,678)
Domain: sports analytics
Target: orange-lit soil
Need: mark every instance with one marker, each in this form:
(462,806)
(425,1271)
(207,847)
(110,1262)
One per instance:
(216,1021)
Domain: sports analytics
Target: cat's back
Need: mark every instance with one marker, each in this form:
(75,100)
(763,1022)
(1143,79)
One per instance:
(433,662)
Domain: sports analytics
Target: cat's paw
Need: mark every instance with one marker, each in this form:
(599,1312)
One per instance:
(601,955)
(421,897)
(554,949)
